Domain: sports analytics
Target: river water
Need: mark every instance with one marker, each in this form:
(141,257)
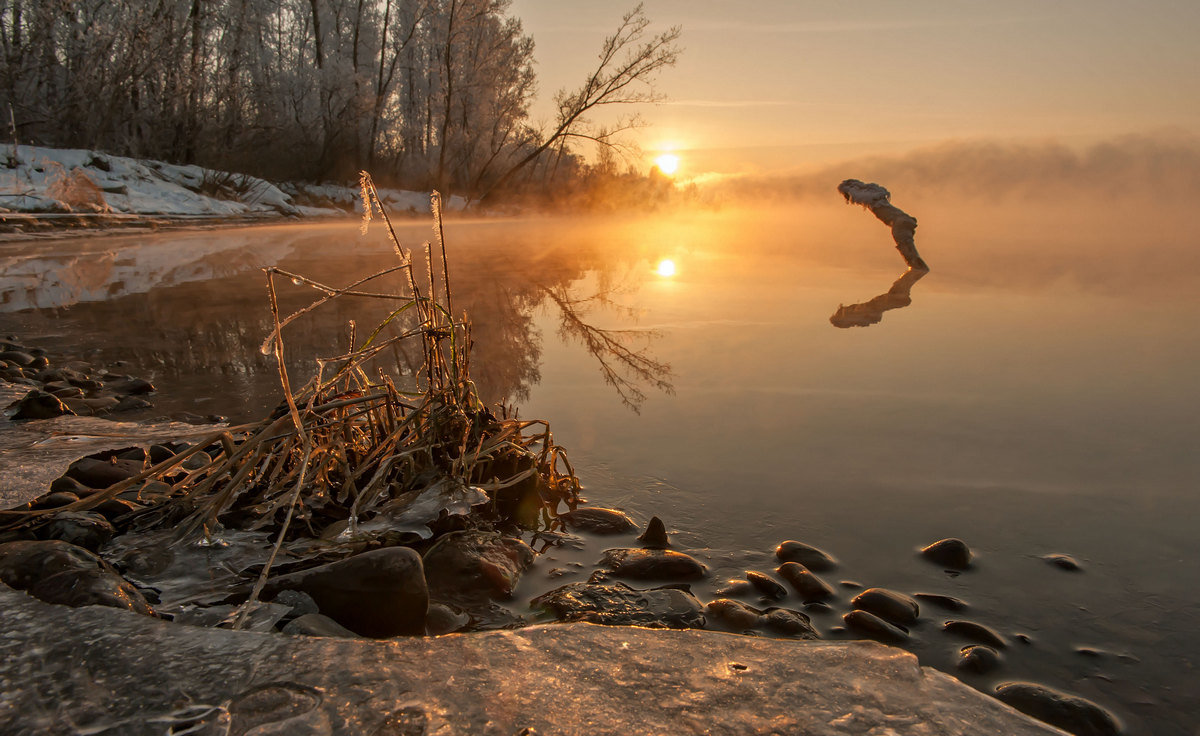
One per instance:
(1035,393)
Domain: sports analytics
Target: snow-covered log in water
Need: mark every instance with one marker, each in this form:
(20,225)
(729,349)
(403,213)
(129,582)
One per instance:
(876,199)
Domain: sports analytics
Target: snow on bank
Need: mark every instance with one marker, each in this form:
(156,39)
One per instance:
(36,180)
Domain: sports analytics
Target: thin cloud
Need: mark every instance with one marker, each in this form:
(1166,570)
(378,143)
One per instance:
(729,103)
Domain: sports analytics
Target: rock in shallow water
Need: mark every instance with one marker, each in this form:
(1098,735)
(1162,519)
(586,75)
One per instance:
(766,585)
(809,586)
(874,627)
(978,658)
(975,632)
(58,572)
(786,622)
(82,528)
(1063,562)
(655,536)
(379,593)
(732,615)
(653,564)
(888,604)
(1069,712)
(953,553)
(809,556)
(41,405)
(475,566)
(599,521)
(617,604)
(950,603)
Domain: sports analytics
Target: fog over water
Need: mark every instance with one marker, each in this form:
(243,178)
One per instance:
(1034,393)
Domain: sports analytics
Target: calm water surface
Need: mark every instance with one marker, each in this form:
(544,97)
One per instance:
(1035,393)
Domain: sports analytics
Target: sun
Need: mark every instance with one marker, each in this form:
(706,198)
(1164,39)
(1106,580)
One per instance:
(666,267)
(668,163)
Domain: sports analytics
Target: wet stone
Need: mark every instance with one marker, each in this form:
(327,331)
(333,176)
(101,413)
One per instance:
(17,357)
(379,593)
(655,536)
(732,615)
(888,604)
(40,405)
(952,553)
(95,473)
(766,585)
(736,588)
(978,658)
(949,603)
(442,619)
(873,627)
(68,484)
(314,624)
(818,607)
(82,528)
(53,500)
(786,622)
(653,564)
(809,556)
(1063,562)
(808,586)
(1071,713)
(470,565)
(975,632)
(58,572)
(617,604)
(599,521)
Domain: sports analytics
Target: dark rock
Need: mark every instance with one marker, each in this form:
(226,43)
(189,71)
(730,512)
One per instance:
(40,361)
(732,615)
(68,392)
(1063,562)
(1069,712)
(888,604)
(809,587)
(379,593)
(736,588)
(67,484)
(114,508)
(299,602)
(786,622)
(947,602)
(53,500)
(131,386)
(766,585)
(953,553)
(850,584)
(314,624)
(975,632)
(471,565)
(811,557)
(159,453)
(873,627)
(102,474)
(196,460)
(132,403)
(82,528)
(442,619)
(150,559)
(58,572)
(617,604)
(978,658)
(653,564)
(41,405)
(819,607)
(17,357)
(655,536)
(599,521)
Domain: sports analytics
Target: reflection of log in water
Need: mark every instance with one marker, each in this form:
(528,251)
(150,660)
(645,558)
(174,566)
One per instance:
(870,312)
(903,225)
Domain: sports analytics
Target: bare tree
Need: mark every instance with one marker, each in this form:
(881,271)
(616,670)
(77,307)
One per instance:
(629,61)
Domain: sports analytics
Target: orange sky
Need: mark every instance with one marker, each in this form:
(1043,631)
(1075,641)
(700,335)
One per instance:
(778,85)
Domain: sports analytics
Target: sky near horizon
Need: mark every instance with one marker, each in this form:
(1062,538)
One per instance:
(788,85)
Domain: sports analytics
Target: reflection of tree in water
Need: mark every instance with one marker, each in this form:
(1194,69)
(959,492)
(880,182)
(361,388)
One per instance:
(871,311)
(625,368)
(207,332)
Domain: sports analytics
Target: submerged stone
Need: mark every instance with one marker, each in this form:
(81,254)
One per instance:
(950,603)
(978,658)
(888,604)
(599,520)
(653,564)
(86,529)
(1072,713)
(59,572)
(732,615)
(766,585)
(617,604)
(314,624)
(379,593)
(953,553)
(874,627)
(975,632)
(786,622)
(807,555)
(1063,562)
(808,585)
(475,566)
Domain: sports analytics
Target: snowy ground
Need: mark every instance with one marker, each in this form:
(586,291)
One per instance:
(49,182)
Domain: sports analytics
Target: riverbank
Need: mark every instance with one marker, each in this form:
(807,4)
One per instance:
(56,192)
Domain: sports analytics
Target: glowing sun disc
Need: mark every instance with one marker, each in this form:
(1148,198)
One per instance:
(667,163)
(666,267)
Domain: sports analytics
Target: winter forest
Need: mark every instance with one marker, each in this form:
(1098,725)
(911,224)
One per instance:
(426,94)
